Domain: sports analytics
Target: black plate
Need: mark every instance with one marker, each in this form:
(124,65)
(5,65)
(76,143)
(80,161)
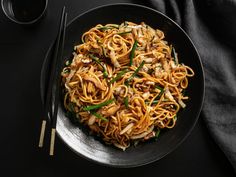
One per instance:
(88,146)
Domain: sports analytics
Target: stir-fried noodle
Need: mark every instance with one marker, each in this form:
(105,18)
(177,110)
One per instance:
(125,83)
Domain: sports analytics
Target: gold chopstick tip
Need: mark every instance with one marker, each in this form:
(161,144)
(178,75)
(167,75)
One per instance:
(42,132)
(52,142)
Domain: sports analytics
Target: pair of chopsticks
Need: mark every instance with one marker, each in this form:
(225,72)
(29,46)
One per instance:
(52,100)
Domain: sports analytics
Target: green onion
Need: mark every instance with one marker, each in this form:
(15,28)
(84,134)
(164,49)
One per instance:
(118,76)
(155,101)
(134,74)
(68,62)
(174,55)
(99,116)
(103,28)
(115,25)
(126,32)
(72,114)
(157,133)
(160,88)
(66,70)
(150,71)
(160,94)
(175,118)
(99,63)
(136,143)
(104,51)
(131,56)
(184,92)
(71,107)
(126,102)
(97,106)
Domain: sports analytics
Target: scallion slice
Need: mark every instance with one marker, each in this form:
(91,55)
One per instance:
(103,28)
(118,76)
(132,53)
(126,102)
(161,92)
(125,32)
(134,74)
(175,56)
(97,106)
(157,133)
(98,62)
(99,116)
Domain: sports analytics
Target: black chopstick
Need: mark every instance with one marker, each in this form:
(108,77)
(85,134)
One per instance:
(54,66)
(56,100)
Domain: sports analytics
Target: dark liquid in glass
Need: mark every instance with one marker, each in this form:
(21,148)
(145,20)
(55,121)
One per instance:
(27,10)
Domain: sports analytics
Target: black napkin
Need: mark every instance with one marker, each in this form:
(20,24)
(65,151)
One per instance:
(211,24)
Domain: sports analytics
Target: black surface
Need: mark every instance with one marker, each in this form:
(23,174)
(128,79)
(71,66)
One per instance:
(22,52)
(145,153)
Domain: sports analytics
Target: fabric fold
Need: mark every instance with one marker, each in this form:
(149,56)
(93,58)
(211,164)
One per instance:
(211,25)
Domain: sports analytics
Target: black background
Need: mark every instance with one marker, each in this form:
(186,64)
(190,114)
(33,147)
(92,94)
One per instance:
(22,51)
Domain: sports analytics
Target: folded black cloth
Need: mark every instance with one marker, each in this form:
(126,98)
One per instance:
(211,25)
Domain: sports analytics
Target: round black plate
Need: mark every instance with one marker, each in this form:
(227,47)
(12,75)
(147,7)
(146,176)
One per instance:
(90,147)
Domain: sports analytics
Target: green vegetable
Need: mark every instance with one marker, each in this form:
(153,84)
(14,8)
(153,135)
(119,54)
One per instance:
(132,53)
(134,74)
(103,28)
(66,70)
(104,51)
(68,62)
(184,92)
(175,118)
(157,133)
(126,102)
(160,88)
(155,101)
(72,114)
(150,71)
(98,62)
(99,116)
(71,107)
(160,94)
(92,107)
(174,55)
(126,32)
(119,75)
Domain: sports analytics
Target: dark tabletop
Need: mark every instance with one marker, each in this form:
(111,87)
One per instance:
(22,52)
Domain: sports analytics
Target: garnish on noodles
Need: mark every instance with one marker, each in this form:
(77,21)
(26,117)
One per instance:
(125,82)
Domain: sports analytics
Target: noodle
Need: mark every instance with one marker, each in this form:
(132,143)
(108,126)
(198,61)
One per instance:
(125,83)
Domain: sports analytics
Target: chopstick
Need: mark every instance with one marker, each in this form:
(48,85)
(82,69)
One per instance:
(53,80)
(56,101)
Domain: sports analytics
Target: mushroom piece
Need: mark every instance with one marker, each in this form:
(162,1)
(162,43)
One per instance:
(110,110)
(142,135)
(126,128)
(97,83)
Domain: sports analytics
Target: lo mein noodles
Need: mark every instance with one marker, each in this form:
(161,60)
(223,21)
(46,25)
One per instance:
(125,82)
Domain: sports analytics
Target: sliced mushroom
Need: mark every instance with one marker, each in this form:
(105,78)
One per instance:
(91,120)
(96,82)
(114,59)
(126,128)
(110,110)
(142,135)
